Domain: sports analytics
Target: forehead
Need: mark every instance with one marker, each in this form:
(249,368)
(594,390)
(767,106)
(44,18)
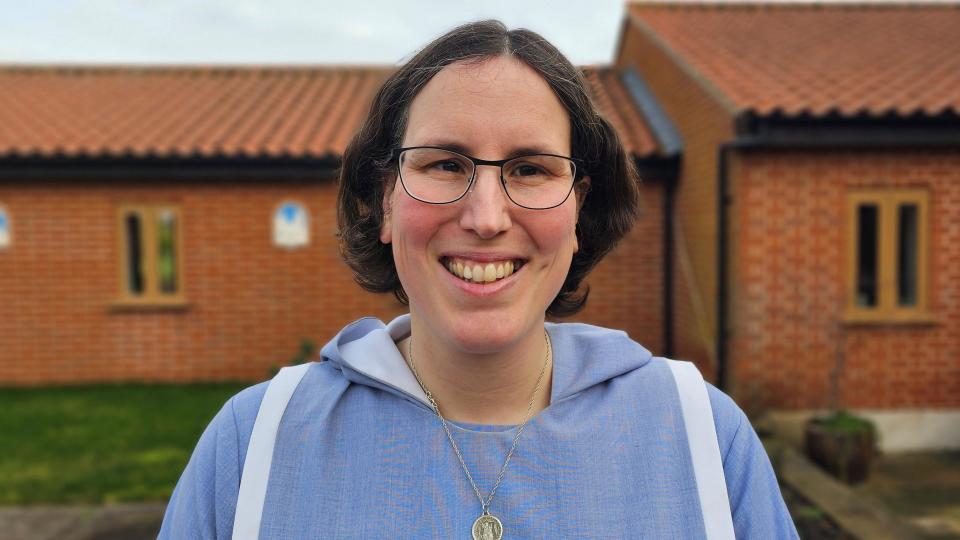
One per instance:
(493,105)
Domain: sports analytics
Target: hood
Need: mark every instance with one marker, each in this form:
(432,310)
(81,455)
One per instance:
(365,352)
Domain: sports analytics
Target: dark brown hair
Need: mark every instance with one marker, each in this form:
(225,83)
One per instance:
(607,212)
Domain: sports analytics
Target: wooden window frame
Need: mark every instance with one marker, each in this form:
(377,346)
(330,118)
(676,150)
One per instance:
(152,297)
(887,310)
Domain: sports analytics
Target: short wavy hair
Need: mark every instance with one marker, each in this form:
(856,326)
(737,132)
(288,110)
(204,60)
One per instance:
(605,216)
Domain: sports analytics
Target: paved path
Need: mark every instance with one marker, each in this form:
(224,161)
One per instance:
(923,488)
(857,513)
(111,522)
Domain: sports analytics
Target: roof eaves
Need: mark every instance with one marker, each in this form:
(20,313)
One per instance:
(125,166)
(708,86)
(662,128)
(837,130)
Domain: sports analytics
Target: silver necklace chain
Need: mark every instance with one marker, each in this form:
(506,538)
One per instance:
(436,408)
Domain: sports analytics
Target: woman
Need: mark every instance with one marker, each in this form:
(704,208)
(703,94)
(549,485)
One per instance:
(481,189)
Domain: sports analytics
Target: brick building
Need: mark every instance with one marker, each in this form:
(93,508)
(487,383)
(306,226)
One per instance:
(816,221)
(799,228)
(179,224)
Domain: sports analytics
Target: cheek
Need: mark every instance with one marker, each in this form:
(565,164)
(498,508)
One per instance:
(557,233)
(413,225)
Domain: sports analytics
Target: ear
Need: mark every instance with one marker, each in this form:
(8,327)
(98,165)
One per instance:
(386,227)
(581,190)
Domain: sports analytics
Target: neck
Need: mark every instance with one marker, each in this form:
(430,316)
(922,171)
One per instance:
(489,388)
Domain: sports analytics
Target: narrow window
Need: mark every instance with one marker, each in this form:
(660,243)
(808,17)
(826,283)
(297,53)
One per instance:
(889,254)
(907,240)
(150,257)
(167,251)
(867,221)
(133,230)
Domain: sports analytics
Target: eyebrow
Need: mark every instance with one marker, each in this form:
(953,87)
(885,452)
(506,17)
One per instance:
(461,149)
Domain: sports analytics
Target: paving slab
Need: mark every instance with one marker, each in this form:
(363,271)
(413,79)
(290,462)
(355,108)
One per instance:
(111,522)
(858,513)
(921,487)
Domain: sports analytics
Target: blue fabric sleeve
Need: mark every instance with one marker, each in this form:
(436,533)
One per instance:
(201,504)
(204,501)
(755,499)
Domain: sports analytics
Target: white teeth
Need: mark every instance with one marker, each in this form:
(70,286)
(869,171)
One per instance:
(489,273)
(480,273)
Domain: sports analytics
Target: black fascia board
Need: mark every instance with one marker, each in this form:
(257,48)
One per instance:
(156,168)
(662,127)
(658,168)
(839,131)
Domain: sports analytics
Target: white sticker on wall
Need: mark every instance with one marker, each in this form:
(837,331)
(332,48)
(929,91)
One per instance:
(4,229)
(290,226)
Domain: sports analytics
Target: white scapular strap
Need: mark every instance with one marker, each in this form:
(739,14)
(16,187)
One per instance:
(697,418)
(256,466)
(704,450)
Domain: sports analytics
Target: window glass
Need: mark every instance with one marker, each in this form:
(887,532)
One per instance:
(132,228)
(167,251)
(907,240)
(867,222)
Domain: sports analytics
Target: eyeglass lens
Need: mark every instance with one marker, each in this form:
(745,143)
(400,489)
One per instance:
(441,176)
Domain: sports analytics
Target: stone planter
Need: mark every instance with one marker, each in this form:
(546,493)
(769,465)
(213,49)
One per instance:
(843,452)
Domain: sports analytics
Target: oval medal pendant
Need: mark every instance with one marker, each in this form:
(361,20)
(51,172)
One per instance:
(487,527)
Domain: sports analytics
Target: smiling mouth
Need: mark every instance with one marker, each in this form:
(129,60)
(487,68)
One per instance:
(481,272)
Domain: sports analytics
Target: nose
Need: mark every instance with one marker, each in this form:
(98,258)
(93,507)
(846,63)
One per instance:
(486,209)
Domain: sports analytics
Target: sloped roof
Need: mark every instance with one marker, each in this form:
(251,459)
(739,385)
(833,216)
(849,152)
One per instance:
(614,102)
(166,112)
(815,59)
(276,112)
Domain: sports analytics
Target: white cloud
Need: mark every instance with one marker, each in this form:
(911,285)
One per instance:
(281,31)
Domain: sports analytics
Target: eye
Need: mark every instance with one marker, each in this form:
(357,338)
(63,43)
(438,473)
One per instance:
(448,166)
(526,169)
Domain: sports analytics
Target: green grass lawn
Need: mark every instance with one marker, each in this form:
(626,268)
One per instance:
(97,444)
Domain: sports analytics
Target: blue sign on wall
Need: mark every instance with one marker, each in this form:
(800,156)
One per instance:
(291,226)
(4,229)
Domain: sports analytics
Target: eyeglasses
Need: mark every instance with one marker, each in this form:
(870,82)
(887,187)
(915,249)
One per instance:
(440,176)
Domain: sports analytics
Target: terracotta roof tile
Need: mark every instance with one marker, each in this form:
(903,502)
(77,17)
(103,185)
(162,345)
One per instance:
(217,111)
(816,59)
(617,106)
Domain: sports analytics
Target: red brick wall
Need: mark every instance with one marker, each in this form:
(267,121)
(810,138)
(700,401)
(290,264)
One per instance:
(250,303)
(704,121)
(788,270)
(626,289)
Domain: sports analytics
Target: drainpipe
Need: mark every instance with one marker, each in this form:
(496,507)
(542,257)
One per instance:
(723,201)
(670,188)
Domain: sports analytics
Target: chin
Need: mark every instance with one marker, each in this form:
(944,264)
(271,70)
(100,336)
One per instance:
(489,334)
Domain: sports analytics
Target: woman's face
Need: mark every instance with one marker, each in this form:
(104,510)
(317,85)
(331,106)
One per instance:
(496,109)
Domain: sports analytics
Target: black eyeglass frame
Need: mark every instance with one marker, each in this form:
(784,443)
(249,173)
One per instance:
(577,173)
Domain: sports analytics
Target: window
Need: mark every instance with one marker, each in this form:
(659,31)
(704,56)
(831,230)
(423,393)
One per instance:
(888,256)
(151,269)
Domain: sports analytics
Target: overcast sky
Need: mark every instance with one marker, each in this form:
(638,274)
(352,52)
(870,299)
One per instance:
(281,31)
